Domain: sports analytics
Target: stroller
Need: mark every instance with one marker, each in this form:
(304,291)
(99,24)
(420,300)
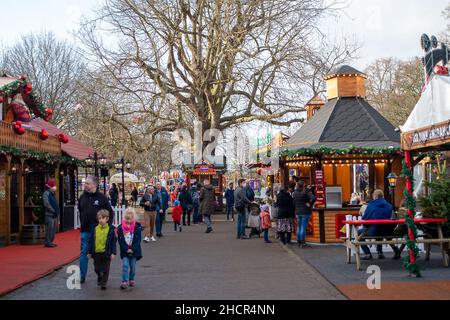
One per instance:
(254,220)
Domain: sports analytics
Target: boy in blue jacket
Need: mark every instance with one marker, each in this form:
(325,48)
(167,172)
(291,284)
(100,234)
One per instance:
(378,209)
(102,247)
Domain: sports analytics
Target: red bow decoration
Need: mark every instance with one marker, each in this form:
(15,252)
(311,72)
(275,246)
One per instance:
(28,88)
(441,70)
(63,138)
(49,112)
(18,129)
(44,134)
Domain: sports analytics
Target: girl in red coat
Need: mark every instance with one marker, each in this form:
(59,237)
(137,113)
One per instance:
(176,215)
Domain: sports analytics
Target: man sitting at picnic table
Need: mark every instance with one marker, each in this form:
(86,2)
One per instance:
(378,209)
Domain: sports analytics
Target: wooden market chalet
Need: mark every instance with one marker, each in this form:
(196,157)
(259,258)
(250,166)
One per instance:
(345,141)
(31,151)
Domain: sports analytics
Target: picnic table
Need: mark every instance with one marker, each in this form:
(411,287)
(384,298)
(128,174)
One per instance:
(353,241)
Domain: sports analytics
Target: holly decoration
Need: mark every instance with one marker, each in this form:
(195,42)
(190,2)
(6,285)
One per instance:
(410,263)
(44,134)
(351,150)
(41,156)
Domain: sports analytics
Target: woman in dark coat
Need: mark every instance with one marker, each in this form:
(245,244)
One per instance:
(185,199)
(285,215)
(303,201)
(207,204)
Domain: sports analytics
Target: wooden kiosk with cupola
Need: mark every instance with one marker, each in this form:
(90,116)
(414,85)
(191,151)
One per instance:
(31,151)
(346,147)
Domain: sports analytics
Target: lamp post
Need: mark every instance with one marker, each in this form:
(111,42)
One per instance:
(120,165)
(392,179)
(92,161)
(104,167)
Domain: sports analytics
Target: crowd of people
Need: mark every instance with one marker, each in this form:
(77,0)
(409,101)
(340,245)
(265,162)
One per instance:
(282,206)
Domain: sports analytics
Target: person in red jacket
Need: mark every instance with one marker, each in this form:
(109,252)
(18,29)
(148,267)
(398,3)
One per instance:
(176,216)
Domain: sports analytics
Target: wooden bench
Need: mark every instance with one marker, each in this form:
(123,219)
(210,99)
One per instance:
(354,242)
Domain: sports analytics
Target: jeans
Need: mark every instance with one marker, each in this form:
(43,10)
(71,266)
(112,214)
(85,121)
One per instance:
(375,231)
(230,210)
(266,235)
(302,227)
(128,269)
(84,260)
(196,214)
(160,221)
(241,224)
(186,213)
(208,221)
(50,230)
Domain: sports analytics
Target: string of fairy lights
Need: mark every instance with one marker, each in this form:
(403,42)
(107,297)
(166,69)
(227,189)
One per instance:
(338,163)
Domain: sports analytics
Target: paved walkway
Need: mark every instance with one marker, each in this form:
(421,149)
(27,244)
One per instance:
(396,284)
(193,265)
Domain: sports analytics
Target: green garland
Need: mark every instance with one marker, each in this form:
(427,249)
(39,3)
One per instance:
(15,87)
(41,156)
(413,268)
(351,150)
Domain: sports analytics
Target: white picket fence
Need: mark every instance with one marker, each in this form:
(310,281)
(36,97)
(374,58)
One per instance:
(118,216)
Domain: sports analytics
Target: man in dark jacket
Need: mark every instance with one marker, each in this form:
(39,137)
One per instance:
(207,204)
(114,195)
(241,202)
(229,196)
(378,209)
(51,213)
(152,205)
(196,204)
(89,204)
(164,198)
(185,199)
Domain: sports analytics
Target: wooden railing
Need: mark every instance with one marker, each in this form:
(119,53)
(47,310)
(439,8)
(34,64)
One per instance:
(29,141)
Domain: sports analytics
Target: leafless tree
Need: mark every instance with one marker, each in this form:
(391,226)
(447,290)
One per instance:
(394,87)
(223,62)
(54,67)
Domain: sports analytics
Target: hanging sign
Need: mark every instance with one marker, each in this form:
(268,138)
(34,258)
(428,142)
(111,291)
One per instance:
(320,189)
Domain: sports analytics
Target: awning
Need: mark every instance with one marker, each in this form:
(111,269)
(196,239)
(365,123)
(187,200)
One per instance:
(74,148)
(429,123)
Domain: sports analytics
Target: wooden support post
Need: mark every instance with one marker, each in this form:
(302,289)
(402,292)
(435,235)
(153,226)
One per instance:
(8,201)
(22,195)
(322,226)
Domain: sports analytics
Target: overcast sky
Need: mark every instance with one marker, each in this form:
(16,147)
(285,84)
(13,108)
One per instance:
(383,27)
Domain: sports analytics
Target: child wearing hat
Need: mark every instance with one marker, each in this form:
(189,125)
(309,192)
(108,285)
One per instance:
(176,216)
(265,222)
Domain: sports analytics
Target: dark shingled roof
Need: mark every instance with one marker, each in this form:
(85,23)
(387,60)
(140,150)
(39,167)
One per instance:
(345,122)
(345,69)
